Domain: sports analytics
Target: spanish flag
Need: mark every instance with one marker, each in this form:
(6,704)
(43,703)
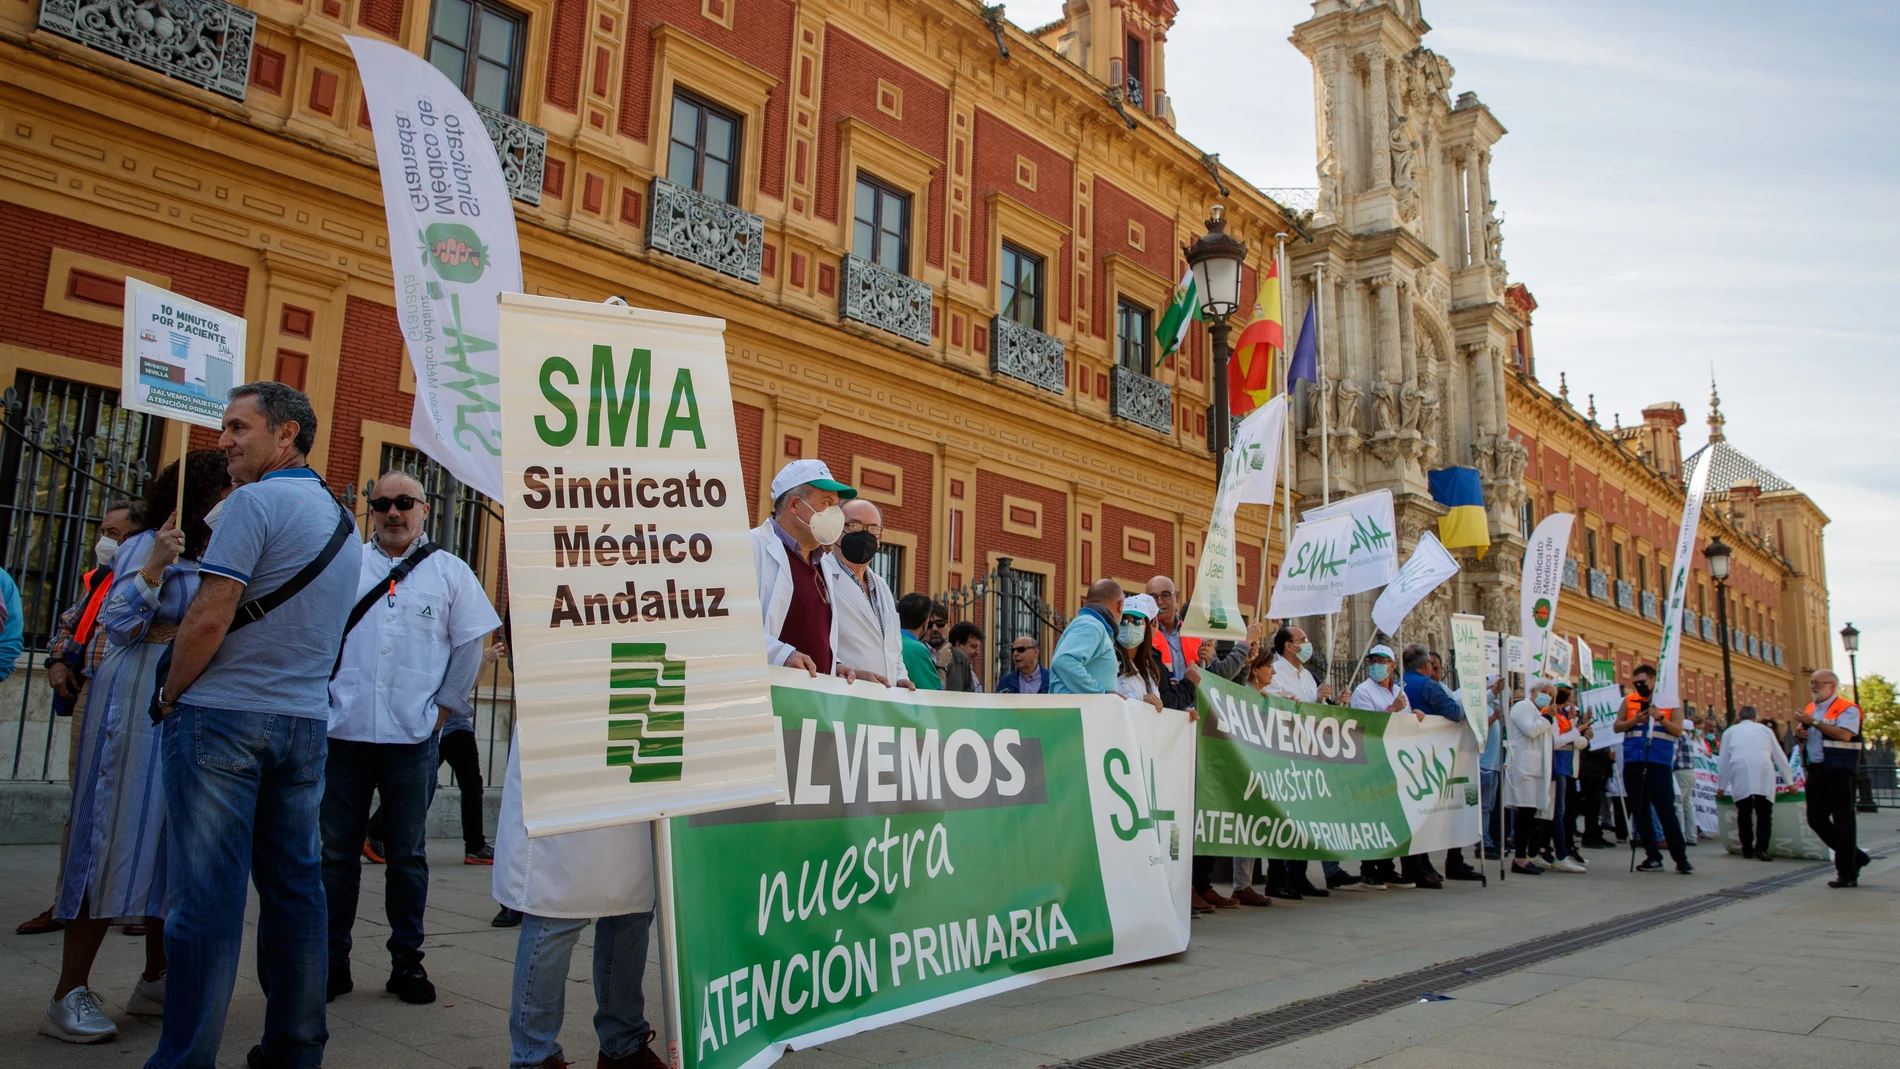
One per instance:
(1250,370)
(1459,490)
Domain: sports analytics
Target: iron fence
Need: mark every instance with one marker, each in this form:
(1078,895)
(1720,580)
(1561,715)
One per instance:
(1005,602)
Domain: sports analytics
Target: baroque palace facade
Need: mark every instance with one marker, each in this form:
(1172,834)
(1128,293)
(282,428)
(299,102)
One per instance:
(940,244)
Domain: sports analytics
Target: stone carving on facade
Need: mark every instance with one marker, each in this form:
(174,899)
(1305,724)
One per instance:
(1326,203)
(1402,145)
(1493,235)
(1347,418)
(1428,410)
(1385,409)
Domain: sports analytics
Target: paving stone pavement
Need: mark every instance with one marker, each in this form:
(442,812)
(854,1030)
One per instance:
(1804,975)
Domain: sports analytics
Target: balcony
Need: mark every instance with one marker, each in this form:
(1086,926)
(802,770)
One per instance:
(1233,429)
(1599,585)
(884,299)
(206,43)
(1651,608)
(1708,628)
(1754,647)
(1689,624)
(1140,399)
(1625,596)
(523,149)
(1570,573)
(1778,663)
(1023,353)
(709,232)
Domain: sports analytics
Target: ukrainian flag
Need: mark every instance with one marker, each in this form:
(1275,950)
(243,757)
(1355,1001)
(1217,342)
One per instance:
(1458,489)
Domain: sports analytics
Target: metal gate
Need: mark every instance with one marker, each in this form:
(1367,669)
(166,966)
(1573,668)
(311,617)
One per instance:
(67,451)
(1006,603)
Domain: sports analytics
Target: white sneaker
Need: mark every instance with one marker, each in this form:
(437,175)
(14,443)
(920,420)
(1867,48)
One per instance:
(77,1018)
(148,998)
(1564,864)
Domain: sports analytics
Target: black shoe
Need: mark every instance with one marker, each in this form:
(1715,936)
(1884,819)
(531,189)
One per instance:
(1748,855)
(1402,880)
(1861,861)
(1763,857)
(1526,868)
(411,985)
(1550,857)
(506,918)
(338,984)
(1463,872)
(1843,883)
(1683,868)
(1599,844)
(255,1058)
(1338,881)
(1491,854)
(1307,890)
(1650,864)
(1287,893)
(1430,881)
(483,856)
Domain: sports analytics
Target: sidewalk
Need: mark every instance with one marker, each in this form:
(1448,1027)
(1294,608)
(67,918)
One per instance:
(1804,970)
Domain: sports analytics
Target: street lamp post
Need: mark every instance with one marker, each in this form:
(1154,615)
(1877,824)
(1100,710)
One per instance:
(1215,260)
(1717,553)
(1850,641)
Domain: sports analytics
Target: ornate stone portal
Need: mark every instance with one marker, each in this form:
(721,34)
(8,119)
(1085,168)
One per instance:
(1415,328)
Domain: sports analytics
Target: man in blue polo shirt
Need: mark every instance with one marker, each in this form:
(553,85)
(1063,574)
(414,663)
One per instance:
(1426,696)
(246,712)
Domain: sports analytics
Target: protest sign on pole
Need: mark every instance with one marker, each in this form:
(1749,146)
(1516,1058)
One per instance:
(1514,654)
(1313,574)
(936,849)
(1586,664)
(639,652)
(1707,820)
(180,358)
(1493,653)
(1467,656)
(1276,779)
(1668,661)
(1557,657)
(1600,707)
(453,247)
(1541,584)
(1372,553)
(1425,570)
(1247,477)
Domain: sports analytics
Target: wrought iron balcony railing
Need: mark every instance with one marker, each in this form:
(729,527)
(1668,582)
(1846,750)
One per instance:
(1651,607)
(884,299)
(1599,585)
(206,43)
(693,226)
(1025,353)
(523,148)
(1708,628)
(1570,573)
(1625,595)
(1140,399)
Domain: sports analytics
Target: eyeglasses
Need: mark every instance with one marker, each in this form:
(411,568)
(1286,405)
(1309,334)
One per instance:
(401,501)
(876,529)
(1023,649)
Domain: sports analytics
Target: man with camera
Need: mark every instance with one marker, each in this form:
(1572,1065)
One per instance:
(1649,778)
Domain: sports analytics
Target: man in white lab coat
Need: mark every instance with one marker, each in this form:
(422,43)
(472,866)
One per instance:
(558,884)
(787,551)
(1746,768)
(865,634)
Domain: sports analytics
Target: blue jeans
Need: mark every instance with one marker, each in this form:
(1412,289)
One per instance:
(241,797)
(1488,793)
(405,774)
(540,996)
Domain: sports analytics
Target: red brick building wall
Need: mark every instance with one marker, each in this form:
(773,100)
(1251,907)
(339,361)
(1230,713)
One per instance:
(368,379)
(31,238)
(751,426)
(1117,565)
(761,35)
(566,41)
(383,16)
(997,146)
(1051,548)
(839,448)
(852,70)
(1114,210)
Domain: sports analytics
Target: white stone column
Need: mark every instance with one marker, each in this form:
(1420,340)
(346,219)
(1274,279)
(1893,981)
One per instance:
(1485,423)
(1378,123)
(1474,210)
(1408,344)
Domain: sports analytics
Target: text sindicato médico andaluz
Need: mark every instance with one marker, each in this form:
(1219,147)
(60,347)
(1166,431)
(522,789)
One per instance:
(620,407)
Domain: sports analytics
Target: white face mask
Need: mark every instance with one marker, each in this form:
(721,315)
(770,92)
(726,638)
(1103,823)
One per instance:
(104,550)
(827,526)
(211,518)
(1131,634)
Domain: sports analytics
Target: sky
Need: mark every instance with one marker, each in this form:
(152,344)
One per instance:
(1692,187)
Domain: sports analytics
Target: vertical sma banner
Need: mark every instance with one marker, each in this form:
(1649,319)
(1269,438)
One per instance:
(639,650)
(1600,707)
(179,358)
(1542,582)
(1247,477)
(1668,660)
(1467,656)
(453,248)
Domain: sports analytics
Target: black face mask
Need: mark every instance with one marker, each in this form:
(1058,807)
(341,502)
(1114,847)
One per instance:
(1642,687)
(858,547)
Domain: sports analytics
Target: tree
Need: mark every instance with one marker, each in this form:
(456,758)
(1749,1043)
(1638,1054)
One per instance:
(1879,714)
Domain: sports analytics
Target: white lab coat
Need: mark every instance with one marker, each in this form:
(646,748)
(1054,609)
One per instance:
(1527,771)
(1749,761)
(605,872)
(862,637)
(1293,684)
(775,588)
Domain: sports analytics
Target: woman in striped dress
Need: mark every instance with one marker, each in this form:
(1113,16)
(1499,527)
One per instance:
(115,862)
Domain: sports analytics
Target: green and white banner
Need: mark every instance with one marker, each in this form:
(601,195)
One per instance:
(1279,779)
(1372,550)
(639,649)
(1247,477)
(935,849)
(1467,657)
(1600,706)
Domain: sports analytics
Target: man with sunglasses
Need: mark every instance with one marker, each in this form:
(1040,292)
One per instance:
(411,648)
(1025,675)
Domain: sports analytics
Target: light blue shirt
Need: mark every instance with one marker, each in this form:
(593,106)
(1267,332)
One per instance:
(268,531)
(1084,661)
(12,628)
(1492,759)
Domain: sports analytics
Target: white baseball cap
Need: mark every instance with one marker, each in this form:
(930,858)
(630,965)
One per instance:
(799,472)
(1381,650)
(1140,605)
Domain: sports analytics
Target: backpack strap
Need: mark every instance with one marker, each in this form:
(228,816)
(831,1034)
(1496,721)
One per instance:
(387,586)
(257,608)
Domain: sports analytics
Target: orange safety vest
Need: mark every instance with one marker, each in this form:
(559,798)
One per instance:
(98,582)
(1838,753)
(1190,648)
